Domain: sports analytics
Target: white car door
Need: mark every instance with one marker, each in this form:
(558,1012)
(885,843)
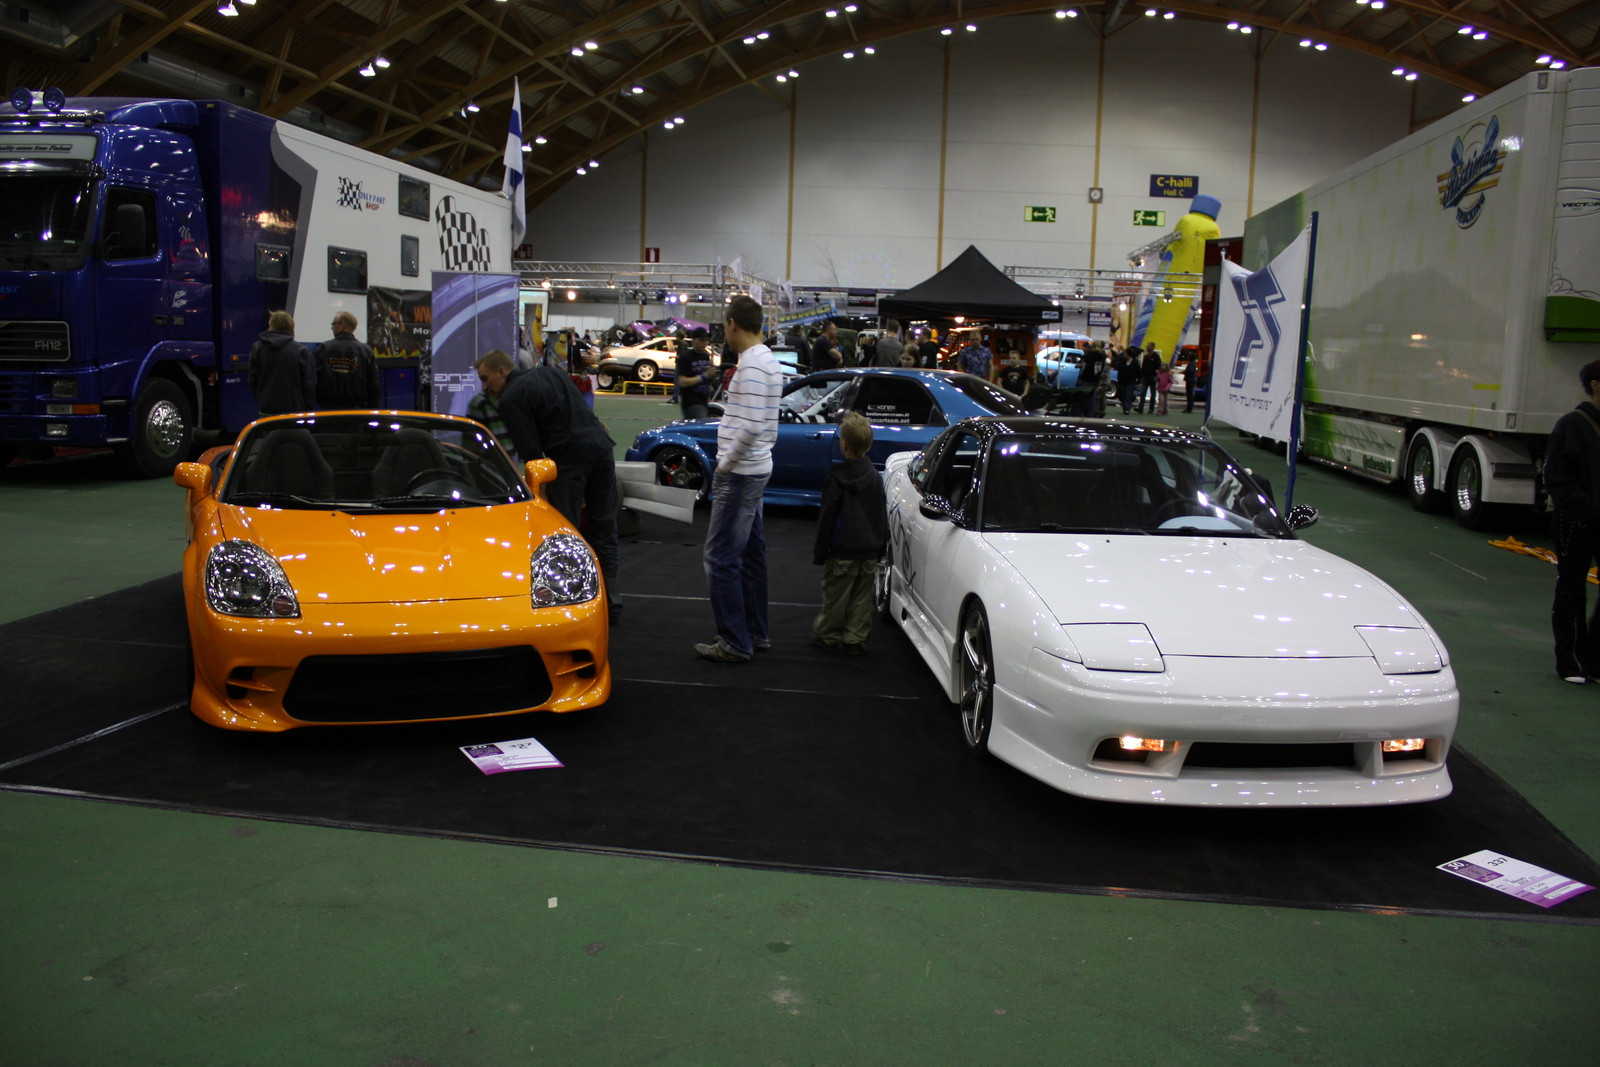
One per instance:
(929,548)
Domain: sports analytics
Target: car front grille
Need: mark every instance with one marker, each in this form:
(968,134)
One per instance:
(1244,756)
(35,341)
(417,685)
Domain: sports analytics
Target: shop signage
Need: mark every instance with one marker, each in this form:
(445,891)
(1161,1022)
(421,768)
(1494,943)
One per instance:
(1149,218)
(1174,186)
(1100,317)
(1038,214)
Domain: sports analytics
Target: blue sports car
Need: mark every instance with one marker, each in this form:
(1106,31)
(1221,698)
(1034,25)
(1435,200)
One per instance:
(907,409)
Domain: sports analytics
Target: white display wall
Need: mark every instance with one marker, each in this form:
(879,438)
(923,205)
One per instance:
(1020,133)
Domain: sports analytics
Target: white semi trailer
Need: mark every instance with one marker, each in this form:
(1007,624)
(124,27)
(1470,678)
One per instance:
(1455,295)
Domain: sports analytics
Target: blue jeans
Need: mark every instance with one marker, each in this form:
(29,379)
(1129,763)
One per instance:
(736,560)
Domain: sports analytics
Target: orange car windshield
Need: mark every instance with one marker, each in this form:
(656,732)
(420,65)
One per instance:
(371,462)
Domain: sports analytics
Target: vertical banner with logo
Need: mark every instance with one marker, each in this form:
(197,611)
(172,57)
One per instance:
(1259,345)
(472,314)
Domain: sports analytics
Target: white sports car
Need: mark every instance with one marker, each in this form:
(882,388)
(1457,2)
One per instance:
(1122,612)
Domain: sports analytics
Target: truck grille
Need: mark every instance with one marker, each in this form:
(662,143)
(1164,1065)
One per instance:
(35,341)
(16,393)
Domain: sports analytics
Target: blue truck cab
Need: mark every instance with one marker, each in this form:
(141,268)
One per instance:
(120,324)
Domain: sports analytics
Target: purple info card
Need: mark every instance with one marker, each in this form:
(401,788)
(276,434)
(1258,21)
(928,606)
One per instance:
(501,756)
(1516,878)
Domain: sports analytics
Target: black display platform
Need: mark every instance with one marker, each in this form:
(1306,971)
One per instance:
(803,760)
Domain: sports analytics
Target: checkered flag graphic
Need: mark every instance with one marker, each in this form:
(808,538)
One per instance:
(462,242)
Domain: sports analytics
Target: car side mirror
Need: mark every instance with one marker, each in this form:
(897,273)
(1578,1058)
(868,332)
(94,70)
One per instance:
(195,477)
(937,508)
(1302,515)
(539,471)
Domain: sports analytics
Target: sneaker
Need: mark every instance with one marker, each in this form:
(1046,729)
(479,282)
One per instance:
(1575,679)
(719,651)
(763,645)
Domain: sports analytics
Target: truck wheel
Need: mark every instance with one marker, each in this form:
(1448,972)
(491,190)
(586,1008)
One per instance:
(163,430)
(1466,491)
(1420,477)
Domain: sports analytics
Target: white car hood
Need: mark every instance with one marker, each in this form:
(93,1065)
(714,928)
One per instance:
(1209,596)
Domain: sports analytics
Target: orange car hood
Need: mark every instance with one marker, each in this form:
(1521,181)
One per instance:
(343,557)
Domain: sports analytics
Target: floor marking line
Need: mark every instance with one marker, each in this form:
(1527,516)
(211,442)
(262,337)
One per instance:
(102,732)
(706,600)
(98,640)
(1456,565)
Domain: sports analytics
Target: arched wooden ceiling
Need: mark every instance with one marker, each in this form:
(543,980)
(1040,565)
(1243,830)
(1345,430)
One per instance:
(595,72)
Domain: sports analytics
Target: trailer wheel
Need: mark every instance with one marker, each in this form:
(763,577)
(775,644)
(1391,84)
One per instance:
(1466,490)
(1420,467)
(162,431)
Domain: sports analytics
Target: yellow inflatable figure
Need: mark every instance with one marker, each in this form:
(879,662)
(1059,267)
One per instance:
(1165,314)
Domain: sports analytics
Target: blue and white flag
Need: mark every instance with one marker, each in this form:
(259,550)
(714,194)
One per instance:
(512,184)
(1255,350)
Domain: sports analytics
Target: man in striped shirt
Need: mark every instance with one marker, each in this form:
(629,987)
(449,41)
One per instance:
(736,545)
(493,368)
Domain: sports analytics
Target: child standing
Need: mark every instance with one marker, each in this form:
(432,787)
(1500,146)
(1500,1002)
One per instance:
(1163,387)
(852,532)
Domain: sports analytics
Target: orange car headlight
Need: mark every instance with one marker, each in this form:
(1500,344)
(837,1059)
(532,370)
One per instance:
(243,578)
(563,571)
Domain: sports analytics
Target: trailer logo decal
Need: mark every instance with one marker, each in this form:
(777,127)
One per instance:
(1476,160)
(462,242)
(1259,296)
(351,196)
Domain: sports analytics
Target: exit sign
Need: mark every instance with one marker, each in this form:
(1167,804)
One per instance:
(1149,218)
(1039,214)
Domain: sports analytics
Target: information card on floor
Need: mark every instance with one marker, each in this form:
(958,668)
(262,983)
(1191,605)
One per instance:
(1516,878)
(501,756)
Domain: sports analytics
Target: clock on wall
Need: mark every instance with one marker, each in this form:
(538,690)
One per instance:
(1096,194)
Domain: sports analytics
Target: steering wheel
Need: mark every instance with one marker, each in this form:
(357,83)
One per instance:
(428,474)
(1171,509)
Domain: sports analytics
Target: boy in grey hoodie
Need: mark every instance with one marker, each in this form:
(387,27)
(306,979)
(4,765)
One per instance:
(852,532)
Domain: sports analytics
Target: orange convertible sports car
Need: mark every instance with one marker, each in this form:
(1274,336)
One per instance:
(377,567)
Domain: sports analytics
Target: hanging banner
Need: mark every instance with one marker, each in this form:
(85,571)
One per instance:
(472,313)
(1256,347)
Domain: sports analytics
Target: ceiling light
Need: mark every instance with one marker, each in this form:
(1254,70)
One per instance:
(526,147)
(582,171)
(227,10)
(849,55)
(1245,29)
(796,73)
(1169,15)
(1066,13)
(1558,64)
(1398,70)
(1233,25)
(1305,42)
(947,31)
(1149,12)
(1542,60)
(541,139)
(784,77)
(1321,46)
(869,50)
(666,125)
(1465,29)
(831,13)
(637,89)
(472,107)
(850,8)
(1377,5)
(594,164)
(248,3)
(590,46)
(763,35)
(679,120)
(572,294)
(749,40)
(972,27)
(577,51)
(1481,35)
(1469,98)
(380,62)
(1411,77)
(368,72)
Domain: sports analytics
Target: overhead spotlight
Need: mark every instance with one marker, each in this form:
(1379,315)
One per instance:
(1169,15)
(1558,64)
(850,8)
(1398,71)
(849,55)
(1150,12)
(577,51)
(1305,42)
(541,139)
(796,73)
(572,294)
(1233,25)
(1481,35)
(1321,46)
(947,31)
(782,78)
(1412,76)
(248,3)
(831,13)
(594,164)
(666,125)
(1542,60)
(637,90)
(869,50)
(368,72)
(472,107)
(1469,98)
(526,147)
(1245,29)
(972,27)
(1465,29)
(749,40)
(227,10)
(590,46)
(1377,5)
(679,120)
(763,35)
(582,171)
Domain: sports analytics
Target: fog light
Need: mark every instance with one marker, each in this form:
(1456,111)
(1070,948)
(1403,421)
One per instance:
(1129,743)
(64,388)
(1409,744)
(58,409)
(55,429)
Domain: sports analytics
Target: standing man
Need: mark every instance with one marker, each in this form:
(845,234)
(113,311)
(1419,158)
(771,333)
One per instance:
(548,419)
(888,354)
(493,368)
(693,374)
(282,375)
(1572,475)
(736,544)
(825,351)
(976,358)
(347,373)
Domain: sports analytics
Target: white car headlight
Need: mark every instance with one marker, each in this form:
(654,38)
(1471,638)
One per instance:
(563,571)
(1115,646)
(1402,649)
(244,579)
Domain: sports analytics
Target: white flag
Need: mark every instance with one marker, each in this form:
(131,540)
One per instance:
(511,186)
(1255,351)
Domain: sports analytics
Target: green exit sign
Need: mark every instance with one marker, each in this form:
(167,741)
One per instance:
(1039,214)
(1149,218)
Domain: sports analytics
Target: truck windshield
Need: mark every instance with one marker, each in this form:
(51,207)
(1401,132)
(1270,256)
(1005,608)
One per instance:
(44,222)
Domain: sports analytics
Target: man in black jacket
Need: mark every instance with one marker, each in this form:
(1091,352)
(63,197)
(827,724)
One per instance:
(347,373)
(852,532)
(1572,476)
(547,419)
(282,375)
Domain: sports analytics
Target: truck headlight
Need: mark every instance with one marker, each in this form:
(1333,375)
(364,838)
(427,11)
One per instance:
(244,579)
(563,571)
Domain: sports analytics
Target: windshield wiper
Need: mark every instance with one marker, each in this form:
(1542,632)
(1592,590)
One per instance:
(430,501)
(1059,527)
(246,499)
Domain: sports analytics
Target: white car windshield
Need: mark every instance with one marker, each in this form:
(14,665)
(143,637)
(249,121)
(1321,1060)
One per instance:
(1122,485)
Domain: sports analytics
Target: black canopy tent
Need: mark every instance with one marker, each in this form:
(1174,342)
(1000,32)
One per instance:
(973,288)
